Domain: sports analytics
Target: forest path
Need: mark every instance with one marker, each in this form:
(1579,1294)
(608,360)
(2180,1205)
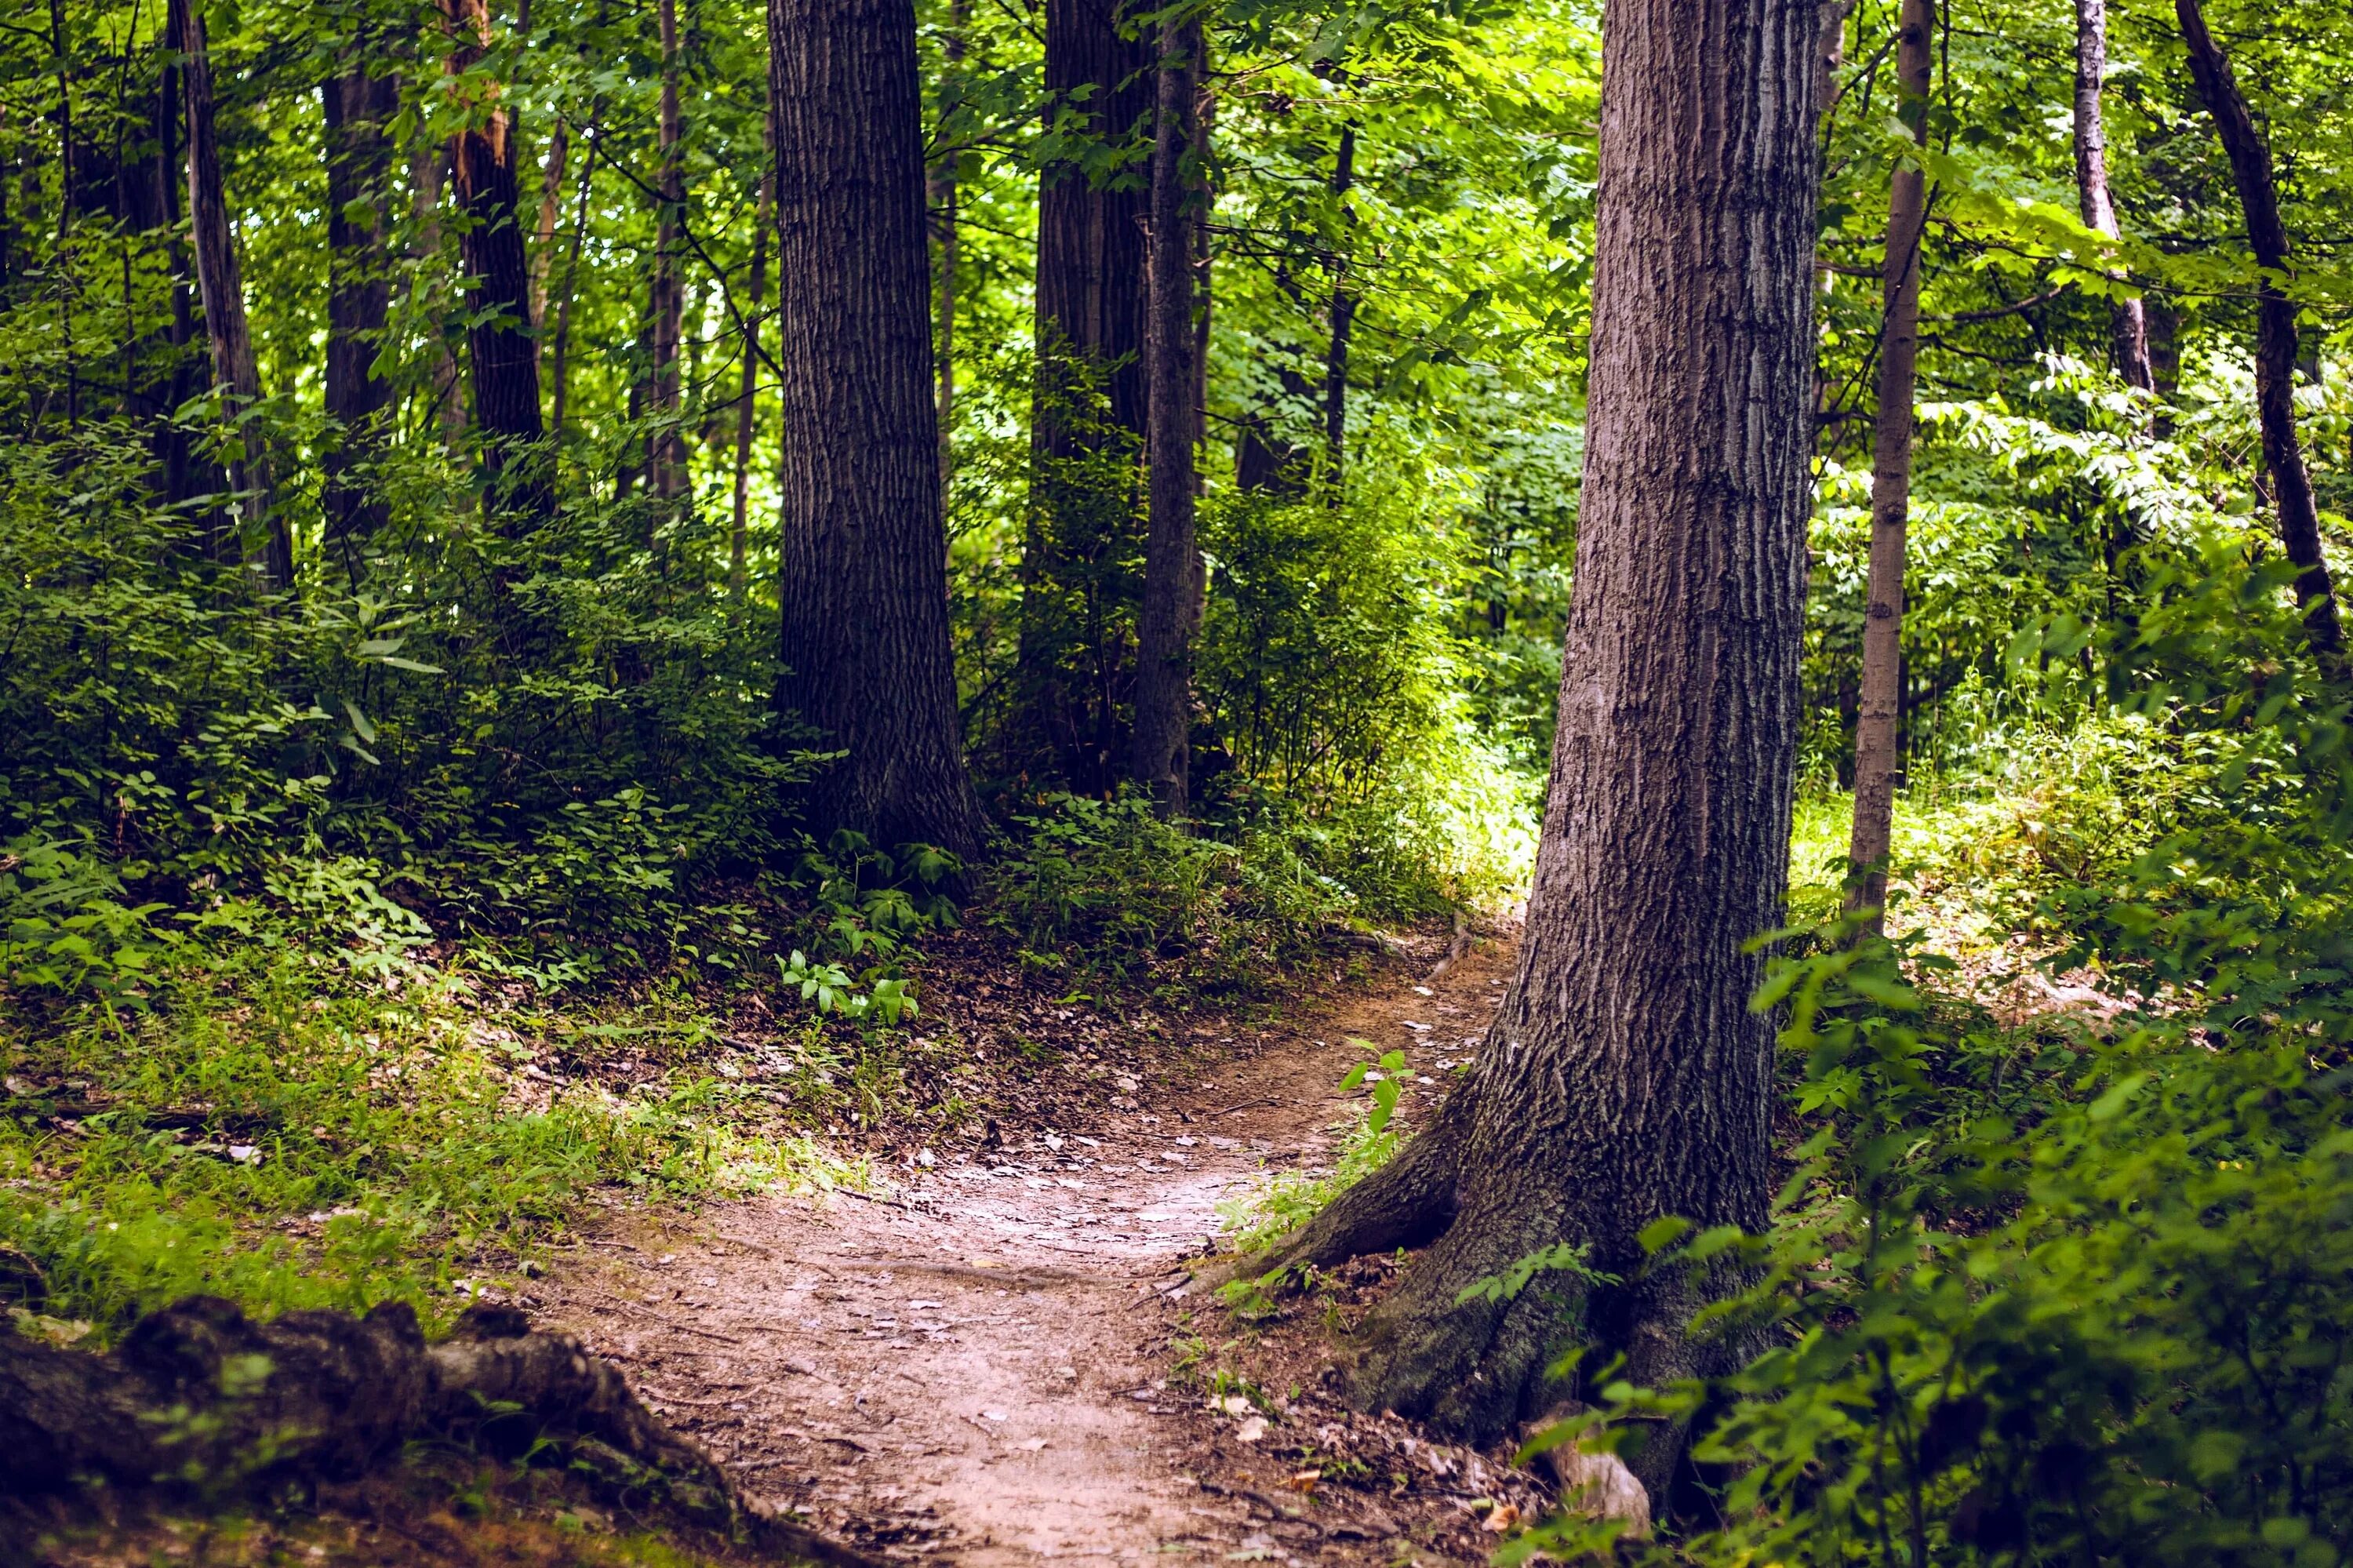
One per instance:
(977,1371)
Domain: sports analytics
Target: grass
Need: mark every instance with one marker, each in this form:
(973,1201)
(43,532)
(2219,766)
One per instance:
(288,1138)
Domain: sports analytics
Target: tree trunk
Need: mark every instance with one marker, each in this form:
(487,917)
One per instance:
(551,198)
(358,106)
(1091,311)
(862,591)
(428,175)
(504,353)
(221,287)
(666,447)
(1164,643)
(2128,323)
(1876,760)
(1624,1078)
(1344,311)
(2275,336)
(572,269)
(746,396)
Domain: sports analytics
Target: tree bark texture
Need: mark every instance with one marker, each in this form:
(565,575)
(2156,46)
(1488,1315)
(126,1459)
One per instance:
(1623,1077)
(666,445)
(1164,651)
(2276,335)
(504,352)
(2127,319)
(1877,738)
(220,285)
(945,198)
(358,107)
(862,590)
(199,1391)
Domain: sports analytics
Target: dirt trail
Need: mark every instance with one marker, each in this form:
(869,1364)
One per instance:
(977,1370)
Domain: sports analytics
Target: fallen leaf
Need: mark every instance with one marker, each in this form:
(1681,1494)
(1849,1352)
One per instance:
(1250,1431)
(1231,1405)
(992,1415)
(1304,1480)
(1502,1518)
(1033,1443)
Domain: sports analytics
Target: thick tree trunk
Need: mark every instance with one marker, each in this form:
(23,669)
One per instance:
(1092,305)
(1876,737)
(944,202)
(863,586)
(747,393)
(358,106)
(2129,322)
(221,287)
(504,352)
(666,447)
(428,176)
(2275,336)
(1623,1077)
(1164,640)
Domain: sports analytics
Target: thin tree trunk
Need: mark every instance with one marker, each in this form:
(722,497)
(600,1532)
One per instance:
(1164,651)
(2275,336)
(504,353)
(862,592)
(358,106)
(746,396)
(1624,1078)
(428,175)
(666,448)
(571,270)
(1343,310)
(1876,737)
(2128,323)
(221,287)
(551,198)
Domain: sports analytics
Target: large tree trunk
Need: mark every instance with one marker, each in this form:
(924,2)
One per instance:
(504,352)
(2275,338)
(666,448)
(358,106)
(1091,305)
(220,285)
(863,586)
(944,197)
(1164,651)
(1876,737)
(1623,1077)
(2129,322)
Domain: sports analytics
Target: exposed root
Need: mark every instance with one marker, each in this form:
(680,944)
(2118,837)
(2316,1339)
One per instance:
(201,1402)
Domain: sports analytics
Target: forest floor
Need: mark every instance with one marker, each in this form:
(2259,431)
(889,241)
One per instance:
(1001,1361)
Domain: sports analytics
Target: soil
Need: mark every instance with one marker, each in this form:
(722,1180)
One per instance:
(1002,1361)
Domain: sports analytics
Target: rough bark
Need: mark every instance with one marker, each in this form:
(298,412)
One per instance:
(1164,642)
(1623,1077)
(2276,335)
(199,1397)
(944,206)
(358,106)
(863,591)
(2128,320)
(428,176)
(1877,725)
(504,353)
(666,445)
(220,285)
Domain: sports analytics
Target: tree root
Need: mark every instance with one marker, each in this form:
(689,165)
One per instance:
(201,1402)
